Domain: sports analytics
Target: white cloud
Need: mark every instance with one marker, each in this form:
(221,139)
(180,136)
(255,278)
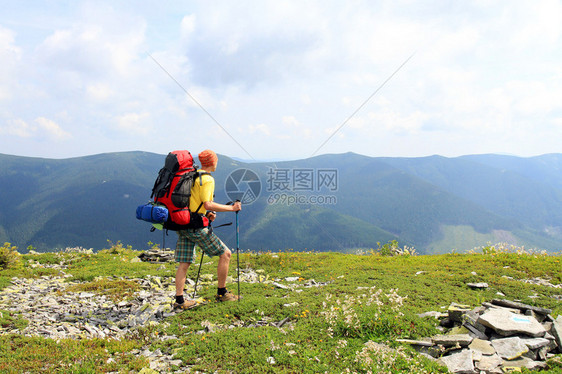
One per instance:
(291,121)
(187,26)
(10,55)
(52,129)
(134,123)
(259,128)
(41,128)
(18,128)
(99,91)
(295,70)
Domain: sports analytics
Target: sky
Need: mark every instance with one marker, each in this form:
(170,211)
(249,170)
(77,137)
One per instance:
(281,80)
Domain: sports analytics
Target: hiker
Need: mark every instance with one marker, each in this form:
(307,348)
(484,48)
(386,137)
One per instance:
(202,194)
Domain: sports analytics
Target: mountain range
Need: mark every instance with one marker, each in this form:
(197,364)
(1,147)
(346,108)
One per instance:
(337,202)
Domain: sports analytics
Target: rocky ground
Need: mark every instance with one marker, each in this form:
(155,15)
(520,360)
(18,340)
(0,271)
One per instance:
(57,313)
(488,339)
(496,337)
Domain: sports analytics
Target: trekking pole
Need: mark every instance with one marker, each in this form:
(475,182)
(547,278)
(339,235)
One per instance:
(198,271)
(238,252)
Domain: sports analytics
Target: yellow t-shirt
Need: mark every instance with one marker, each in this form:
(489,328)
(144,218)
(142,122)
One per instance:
(201,193)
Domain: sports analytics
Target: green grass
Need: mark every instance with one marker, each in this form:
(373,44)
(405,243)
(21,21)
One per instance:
(364,300)
(19,354)
(11,320)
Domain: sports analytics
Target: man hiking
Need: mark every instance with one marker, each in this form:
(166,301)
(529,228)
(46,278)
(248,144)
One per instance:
(202,196)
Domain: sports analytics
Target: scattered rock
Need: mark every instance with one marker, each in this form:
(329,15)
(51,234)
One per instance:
(477,285)
(557,332)
(482,346)
(496,337)
(459,362)
(456,311)
(507,323)
(489,363)
(279,285)
(510,348)
(535,343)
(460,340)
(522,362)
(157,255)
(523,307)
(432,314)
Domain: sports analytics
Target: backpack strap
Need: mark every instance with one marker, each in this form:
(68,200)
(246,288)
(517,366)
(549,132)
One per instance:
(200,176)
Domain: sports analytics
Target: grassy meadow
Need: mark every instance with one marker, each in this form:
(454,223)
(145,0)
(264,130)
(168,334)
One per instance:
(343,316)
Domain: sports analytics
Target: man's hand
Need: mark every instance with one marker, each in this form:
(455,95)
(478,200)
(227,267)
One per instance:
(211,215)
(236,206)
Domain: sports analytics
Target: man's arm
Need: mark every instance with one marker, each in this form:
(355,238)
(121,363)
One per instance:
(216,207)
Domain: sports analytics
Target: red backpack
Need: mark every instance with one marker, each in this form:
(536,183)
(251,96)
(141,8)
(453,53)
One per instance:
(172,188)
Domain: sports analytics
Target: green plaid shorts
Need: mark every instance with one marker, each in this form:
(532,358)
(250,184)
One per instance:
(206,240)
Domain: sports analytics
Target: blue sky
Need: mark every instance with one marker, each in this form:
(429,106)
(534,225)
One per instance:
(276,79)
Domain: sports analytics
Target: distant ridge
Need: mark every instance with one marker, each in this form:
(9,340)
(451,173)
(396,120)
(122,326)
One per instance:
(434,203)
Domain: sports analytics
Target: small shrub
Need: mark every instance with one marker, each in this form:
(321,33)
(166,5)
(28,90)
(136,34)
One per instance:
(78,250)
(372,315)
(9,256)
(392,248)
(152,245)
(116,248)
(12,320)
(503,248)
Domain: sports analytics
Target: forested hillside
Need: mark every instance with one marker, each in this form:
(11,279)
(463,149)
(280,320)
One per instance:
(337,202)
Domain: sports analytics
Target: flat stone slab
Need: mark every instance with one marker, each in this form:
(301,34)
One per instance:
(523,362)
(432,314)
(423,343)
(482,346)
(510,348)
(462,340)
(459,362)
(506,323)
(535,343)
(477,286)
(489,363)
(456,311)
(556,331)
(425,347)
(521,306)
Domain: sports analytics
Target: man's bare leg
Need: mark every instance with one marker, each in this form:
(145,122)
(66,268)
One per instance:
(222,269)
(181,273)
